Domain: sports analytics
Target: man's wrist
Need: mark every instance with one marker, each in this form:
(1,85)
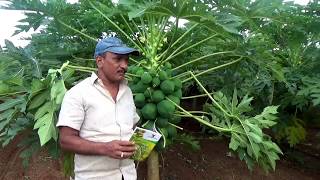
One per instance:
(101,148)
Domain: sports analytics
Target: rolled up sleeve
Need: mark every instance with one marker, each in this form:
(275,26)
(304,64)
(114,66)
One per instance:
(72,111)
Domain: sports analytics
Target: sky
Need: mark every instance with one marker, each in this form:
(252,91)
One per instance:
(9,19)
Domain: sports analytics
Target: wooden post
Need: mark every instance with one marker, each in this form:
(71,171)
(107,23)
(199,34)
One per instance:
(153,166)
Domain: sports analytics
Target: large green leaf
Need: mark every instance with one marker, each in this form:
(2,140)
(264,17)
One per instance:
(311,89)
(9,67)
(6,117)
(39,99)
(24,57)
(137,9)
(58,90)
(247,137)
(43,110)
(278,41)
(11,103)
(267,117)
(46,123)
(45,116)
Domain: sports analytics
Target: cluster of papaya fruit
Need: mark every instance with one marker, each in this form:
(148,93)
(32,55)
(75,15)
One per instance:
(153,90)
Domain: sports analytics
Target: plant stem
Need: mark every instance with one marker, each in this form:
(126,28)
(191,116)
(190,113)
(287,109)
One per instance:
(82,68)
(214,68)
(134,75)
(153,166)
(13,93)
(144,31)
(174,43)
(224,111)
(199,119)
(199,112)
(76,30)
(174,32)
(128,78)
(139,44)
(184,34)
(180,75)
(171,41)
(137,27)
(200,58)
(196,44)
(115,25)
(195,96)
(208,94)
(176,126)
(135,61)
(193,116)
(175,51)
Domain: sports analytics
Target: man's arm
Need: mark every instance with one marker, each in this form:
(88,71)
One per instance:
(71,141)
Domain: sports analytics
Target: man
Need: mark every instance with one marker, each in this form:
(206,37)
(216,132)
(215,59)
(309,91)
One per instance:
(98,115)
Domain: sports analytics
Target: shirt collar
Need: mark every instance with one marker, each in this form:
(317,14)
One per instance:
(93,78)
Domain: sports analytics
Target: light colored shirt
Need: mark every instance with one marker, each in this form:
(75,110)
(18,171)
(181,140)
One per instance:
(89,108)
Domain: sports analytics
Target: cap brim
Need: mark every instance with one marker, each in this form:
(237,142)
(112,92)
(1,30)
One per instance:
(123,50)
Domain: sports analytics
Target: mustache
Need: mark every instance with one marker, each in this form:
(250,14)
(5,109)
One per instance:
(123,70)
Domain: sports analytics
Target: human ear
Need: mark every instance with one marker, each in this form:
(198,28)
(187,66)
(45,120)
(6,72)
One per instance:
(99,61)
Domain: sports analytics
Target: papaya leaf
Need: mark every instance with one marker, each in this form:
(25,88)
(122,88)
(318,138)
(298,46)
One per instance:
(137,9)
(234,144)
(296,134)
(38,100)
(45,116)
(28,151)
(42,110)
(229,22)
(310,89)
(189,141)
(37,85)
(25,58)
(267,117)
(58,90)
(13,129)
(6,117)
(293,132)
(45,123)
(234,100)
(11,103)
(247,137)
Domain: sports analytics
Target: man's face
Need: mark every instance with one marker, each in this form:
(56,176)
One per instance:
(113,66)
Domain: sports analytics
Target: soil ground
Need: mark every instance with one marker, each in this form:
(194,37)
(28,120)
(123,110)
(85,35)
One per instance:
(212,162)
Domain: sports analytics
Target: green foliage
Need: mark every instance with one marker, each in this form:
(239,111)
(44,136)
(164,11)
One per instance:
(12,121)
(13,116)
(245,131)
(189,141)
(68,165)
(292,131)
(310,89)
(30,103)
(267,49)
(45,115)
(30,146)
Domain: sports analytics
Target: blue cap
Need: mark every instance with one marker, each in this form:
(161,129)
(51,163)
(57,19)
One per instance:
(114,45)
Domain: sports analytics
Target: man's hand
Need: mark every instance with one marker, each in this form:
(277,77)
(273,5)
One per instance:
(119,149)
(72,142)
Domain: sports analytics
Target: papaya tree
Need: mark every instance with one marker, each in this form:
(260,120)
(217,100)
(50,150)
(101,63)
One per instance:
(210,41)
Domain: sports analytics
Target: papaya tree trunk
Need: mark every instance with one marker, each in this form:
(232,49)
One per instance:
(153,166)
